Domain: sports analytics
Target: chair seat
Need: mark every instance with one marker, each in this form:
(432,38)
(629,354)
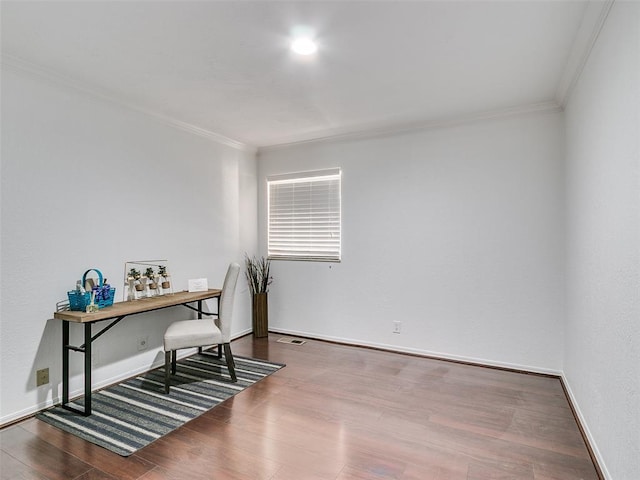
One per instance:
(191,333)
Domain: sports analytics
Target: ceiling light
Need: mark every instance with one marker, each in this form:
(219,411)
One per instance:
(304,46)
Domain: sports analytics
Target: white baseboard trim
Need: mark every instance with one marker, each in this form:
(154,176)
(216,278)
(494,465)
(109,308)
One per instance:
(590,440)
(28,412)
(421,352)
(24,413)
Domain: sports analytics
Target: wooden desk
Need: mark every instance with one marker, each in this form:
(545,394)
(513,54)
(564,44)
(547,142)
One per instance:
(115,313)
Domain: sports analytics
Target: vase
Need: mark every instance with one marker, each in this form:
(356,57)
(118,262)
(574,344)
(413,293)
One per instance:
(138,291)
(260,315)
(131,285)
(166,285)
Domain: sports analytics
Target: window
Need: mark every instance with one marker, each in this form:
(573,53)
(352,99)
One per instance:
(304,216)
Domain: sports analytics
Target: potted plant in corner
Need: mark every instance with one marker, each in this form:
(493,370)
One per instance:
(259,279)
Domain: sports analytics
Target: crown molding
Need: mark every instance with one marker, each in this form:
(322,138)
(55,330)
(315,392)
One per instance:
(52,76)
(593,20)
(368,131)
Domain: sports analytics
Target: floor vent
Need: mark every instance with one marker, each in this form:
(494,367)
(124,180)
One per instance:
(293,341)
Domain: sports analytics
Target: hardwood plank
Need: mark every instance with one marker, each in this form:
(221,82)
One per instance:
(95,474)
(561,467)
(11,468)
(288,472)
(500,471)
(157,473)
(436,472)
(40,455)
(364,466)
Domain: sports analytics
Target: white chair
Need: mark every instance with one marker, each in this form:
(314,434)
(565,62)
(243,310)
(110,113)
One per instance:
(204,332)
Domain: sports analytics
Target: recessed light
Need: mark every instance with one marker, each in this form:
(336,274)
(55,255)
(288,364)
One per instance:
(304,46)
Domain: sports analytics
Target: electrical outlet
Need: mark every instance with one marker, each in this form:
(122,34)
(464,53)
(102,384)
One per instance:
(42,377)
(397,326)
(143,343)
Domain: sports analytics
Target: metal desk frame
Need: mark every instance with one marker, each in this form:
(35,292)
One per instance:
(116,313)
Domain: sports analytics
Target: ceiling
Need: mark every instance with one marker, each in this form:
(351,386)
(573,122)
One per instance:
(224,66)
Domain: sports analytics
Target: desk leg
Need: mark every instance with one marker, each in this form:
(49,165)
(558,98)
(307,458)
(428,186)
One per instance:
(87,369)
(218,311)
(199,318)
(65,363)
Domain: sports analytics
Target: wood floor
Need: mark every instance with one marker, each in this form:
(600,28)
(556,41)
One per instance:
(340,412)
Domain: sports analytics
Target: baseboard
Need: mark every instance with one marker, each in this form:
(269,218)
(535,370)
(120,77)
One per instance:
(30,411)
(595,454)
(24,414)
(483,362)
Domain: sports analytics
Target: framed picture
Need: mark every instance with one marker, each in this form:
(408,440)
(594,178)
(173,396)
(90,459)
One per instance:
(146,279)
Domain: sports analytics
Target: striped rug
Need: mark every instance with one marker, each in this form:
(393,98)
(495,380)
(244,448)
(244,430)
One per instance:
(132,414)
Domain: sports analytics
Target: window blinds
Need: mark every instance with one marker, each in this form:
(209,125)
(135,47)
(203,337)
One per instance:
(304,216)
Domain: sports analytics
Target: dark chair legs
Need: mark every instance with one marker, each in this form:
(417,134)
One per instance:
(228,356)
(167,371)
(170,359)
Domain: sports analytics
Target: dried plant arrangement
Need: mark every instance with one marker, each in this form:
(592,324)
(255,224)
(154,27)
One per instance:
(258,276)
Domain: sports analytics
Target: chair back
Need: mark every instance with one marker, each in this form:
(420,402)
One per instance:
(226,301)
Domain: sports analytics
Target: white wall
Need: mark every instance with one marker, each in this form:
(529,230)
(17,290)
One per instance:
(89,183)
(602,340)
(456,232)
